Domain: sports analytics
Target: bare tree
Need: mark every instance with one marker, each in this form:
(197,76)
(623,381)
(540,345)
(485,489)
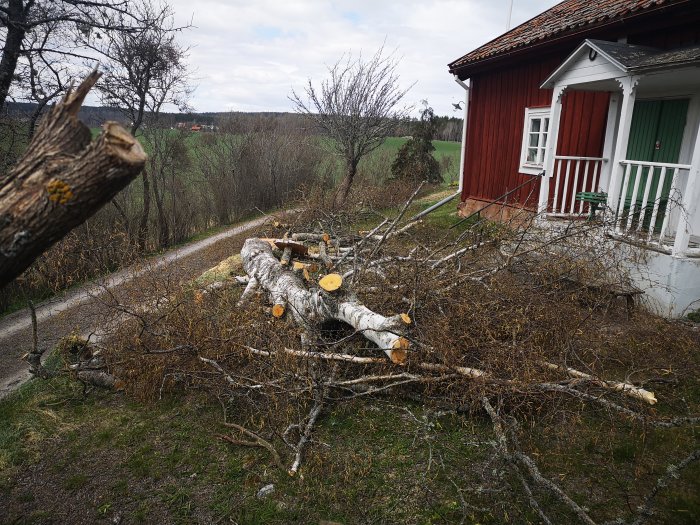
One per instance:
(146,69)
(48,31)
(357,107)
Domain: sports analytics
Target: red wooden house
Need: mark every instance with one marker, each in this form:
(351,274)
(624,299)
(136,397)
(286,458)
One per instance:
(595,96)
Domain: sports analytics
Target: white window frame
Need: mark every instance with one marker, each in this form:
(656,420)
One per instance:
(534,168)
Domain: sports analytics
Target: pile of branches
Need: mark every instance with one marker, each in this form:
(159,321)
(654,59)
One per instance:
(507,323)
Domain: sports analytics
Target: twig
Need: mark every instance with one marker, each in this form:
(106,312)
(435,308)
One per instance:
(645,511)
(360,243)
(531,467)
(662,423)
(257,442)
(396,220)
(306,434)
(459,253)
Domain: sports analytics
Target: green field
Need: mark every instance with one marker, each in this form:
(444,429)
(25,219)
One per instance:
(387,151)
(442,147)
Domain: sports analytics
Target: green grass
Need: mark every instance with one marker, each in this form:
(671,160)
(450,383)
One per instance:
(163,463)
(370,462)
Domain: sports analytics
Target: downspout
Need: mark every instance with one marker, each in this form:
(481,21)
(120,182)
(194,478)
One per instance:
(464,131)
(461,159)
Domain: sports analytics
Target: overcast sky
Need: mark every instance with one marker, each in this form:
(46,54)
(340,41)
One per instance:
(249,55)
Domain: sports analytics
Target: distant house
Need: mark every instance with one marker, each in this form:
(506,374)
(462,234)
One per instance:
(597,97)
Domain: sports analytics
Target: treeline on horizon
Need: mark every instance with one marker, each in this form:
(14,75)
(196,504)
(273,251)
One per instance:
(446,128)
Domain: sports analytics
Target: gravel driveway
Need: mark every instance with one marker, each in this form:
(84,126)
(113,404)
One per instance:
(78,310)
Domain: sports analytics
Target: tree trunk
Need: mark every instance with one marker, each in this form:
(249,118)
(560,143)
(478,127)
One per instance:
(12,48)
(163,226)
(142,238)
(344,188)
(36,115)
(62,179)
(311,308)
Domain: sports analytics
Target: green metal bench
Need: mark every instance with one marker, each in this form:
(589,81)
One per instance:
(594,201)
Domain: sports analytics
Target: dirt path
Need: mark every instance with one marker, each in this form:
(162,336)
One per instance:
(78,310)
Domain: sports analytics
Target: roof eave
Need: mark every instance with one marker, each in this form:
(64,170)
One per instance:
(664,67)
(466,70)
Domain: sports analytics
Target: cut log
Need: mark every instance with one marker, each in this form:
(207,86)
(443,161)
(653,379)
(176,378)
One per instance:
(313,307)
(331,282)
(312,237)
(296,248)
(62,179)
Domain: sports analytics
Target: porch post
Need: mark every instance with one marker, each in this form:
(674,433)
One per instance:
(609,145)
(689,205)
(629,87)
(551,149)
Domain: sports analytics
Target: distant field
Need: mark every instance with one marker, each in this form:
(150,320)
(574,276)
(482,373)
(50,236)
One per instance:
(386,151)
(442,147)
(443,150)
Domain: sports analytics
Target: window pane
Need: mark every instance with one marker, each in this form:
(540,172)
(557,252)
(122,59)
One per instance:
(546,125)
(531,155)
(535,125)
(534,139)
(540,157)
(544,140)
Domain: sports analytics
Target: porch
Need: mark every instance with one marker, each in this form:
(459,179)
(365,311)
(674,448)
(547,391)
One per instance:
(650,165)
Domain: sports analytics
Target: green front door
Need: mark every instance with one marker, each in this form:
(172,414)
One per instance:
(655,136)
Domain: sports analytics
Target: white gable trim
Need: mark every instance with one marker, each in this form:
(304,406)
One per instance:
(606,67)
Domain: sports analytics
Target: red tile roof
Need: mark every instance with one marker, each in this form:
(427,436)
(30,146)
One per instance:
(570,15)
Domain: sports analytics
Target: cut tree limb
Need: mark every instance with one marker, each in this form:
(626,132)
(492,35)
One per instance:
(312,307)
(323,255)
(248,292)
(286,256)
(626,388)
(324,356)
(62,179)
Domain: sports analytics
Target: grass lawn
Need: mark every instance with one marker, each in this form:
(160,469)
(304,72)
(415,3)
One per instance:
(65,458)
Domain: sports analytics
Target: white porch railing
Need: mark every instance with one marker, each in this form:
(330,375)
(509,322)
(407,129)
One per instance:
(650,200)
(571,176)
